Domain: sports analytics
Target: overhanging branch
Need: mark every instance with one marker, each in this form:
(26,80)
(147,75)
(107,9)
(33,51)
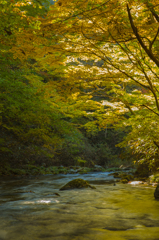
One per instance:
(135,31)
(150,109)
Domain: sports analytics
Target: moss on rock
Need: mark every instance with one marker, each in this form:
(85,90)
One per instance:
(124,181)
(77,183)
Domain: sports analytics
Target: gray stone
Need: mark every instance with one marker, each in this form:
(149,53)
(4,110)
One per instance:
(156,193)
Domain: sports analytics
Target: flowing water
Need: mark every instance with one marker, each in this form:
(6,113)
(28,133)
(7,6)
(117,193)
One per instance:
(31,209)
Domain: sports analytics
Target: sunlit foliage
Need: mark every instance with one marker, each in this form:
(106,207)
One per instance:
(86,65)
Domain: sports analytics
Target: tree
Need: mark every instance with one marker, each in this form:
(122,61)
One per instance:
(33,113)
(90,60)
(123,35)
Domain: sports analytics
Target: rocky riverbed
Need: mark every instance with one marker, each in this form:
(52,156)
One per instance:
(33,208)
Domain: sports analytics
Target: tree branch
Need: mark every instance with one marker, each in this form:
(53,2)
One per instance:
(135,31)
(154,14)
(150,47)
(150,109)
(157,145)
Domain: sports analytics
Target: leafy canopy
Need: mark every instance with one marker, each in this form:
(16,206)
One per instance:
(96,59)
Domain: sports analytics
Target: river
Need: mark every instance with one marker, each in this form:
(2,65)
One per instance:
(33,208)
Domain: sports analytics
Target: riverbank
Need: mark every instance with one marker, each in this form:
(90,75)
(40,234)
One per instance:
(123,174)
(30,169)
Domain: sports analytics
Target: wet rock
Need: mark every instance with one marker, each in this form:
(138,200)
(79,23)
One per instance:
(116,175)
(98,168)
(113,169)
(126,176)
(124,181)
(79,170)
(143,179)
(77,183)
(57,194)
(156,193)
(72,171)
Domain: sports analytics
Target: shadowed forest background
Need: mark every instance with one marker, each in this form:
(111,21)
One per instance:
(79,84)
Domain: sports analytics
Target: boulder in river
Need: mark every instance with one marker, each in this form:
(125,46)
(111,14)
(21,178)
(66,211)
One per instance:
(156,193)
(77,183)
(124,181)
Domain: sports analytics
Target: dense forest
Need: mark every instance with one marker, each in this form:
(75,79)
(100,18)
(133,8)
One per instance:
(79,84)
